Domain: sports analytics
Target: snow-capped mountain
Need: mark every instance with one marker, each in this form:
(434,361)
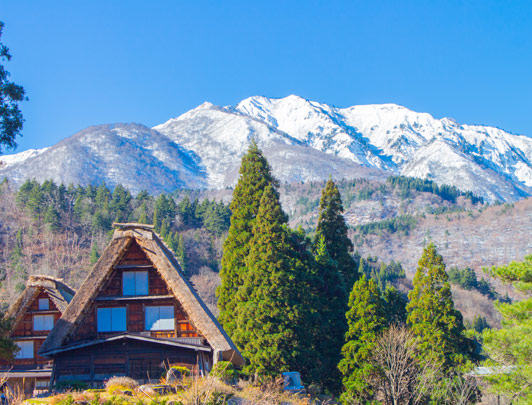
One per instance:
(303,140)
(129,154)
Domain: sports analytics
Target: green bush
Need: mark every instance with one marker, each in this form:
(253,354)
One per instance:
(72,385)
(225,371)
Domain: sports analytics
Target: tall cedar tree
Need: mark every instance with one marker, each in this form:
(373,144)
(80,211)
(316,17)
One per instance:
(269,309)
(366,318)
(331,324)
(255,176)
(510,348)
(437,325)
(331,225)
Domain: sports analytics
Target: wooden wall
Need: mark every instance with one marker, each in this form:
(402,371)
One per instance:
(111,296)
(135,359)
(23,330)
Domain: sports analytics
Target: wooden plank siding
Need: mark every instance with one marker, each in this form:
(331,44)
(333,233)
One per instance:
(111,296)
(142,361)
(23,330)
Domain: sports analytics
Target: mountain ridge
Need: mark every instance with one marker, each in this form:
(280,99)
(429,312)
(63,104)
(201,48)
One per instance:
(304,140)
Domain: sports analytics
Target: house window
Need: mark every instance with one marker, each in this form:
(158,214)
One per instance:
(111,319)
(43,322)
(44,304)
(42,384)
(135,283)
(159,318)
(26,349)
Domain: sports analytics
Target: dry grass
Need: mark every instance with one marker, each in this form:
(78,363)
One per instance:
(121,384)
(194,391)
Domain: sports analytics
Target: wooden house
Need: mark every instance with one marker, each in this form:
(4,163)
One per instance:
(34,315)
(135,315)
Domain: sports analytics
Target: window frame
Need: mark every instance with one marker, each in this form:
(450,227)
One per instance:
(44,317)
(136,280)
(112,329)
(42,301)
(18,342)
(153,328)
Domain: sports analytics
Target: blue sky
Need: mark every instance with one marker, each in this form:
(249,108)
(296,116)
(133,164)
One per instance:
(95,62)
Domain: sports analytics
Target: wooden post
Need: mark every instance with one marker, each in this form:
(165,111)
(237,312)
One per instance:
(92,370)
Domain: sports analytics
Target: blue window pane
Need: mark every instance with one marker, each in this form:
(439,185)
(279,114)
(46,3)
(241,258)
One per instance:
(159,318)
(43,322)
(128,283)
(166,321)
(44,304)
(118,319)
(135,283)
(104,319)
(26,349)
(141,282)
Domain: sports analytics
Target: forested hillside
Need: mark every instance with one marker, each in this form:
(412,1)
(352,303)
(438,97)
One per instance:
(59,230)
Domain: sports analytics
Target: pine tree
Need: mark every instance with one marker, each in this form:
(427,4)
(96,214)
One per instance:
(181,253)
(331,225)
(95,254)
(395,306)
(366,318)
(330,325)
(51,217)
(269,310)
(143,218)
(437,325)
(255,176)
(510,347)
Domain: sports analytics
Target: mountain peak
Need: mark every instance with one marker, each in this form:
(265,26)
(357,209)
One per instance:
(304,140)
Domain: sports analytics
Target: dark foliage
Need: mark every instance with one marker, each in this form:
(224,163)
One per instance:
(11,95)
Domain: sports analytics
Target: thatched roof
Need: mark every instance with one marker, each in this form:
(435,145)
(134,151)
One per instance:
(168,268)
(59,292)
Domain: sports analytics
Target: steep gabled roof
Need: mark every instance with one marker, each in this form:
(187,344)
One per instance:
(168,268)
(58,291)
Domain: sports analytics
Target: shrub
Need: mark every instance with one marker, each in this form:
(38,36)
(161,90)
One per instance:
(185,372)
(72,385)
(225,371)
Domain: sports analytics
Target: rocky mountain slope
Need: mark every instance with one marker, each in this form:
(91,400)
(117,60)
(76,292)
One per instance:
(303,140)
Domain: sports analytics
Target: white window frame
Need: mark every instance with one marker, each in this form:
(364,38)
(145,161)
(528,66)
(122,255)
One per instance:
(26,349)
(140,283)
(44,304)
(159,324)
(102,313)
(43,322)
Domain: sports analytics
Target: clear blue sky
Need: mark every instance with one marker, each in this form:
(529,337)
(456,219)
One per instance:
(94,62)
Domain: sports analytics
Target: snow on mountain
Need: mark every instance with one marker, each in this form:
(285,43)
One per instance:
(302,139)
(10,160)
(128,154)
(220,136)
(486,160)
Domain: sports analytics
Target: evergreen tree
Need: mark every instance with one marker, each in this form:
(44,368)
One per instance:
(11,95)
(51,217)
(95,254)
(143,217)
(8,348)
(437,325)
(510,348)
(255,176)
(269,308)
(331,325)
(395,306)
(366,318)
(181,253)
(331,225)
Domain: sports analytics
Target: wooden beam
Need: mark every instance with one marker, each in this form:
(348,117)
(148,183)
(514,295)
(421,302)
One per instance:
(134,298)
